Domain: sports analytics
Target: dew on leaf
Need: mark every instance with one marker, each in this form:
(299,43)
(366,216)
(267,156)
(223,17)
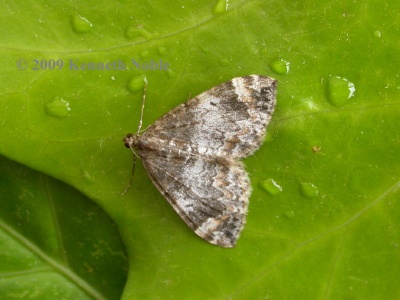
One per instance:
(136,84)
(308,190)
(162,50)
(58,108)
(270,186)
(81,24)
(137,33)
(280,66)
(339,90)
(289,214)
(220,7)
(144,54)
(377,34)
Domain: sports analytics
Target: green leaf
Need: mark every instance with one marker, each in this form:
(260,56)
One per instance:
(54,242)
(329,229)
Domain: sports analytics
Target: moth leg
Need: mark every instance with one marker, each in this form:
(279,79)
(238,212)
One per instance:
(131,179)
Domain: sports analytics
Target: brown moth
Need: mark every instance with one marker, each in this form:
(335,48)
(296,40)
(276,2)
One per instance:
(192,154)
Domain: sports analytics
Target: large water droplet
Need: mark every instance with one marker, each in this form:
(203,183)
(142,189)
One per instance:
(280,66)
(58,108)
(136,84)
(308,190)
(81,24)
(220,7)
(339,90)
(271,186)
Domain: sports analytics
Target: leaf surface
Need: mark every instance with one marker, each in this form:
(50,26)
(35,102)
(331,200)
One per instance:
(323,219)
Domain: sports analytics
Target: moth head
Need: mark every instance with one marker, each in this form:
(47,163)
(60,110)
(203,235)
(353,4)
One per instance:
(130,140)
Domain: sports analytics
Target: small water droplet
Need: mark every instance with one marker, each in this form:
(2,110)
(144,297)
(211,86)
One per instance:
(280,66)
(339,90)
(271,187)
(136,84)
(308,190)
(289,214)
(81,24)
(377,34)
(220,7)
(144,54)
(58,108)
(137,33)
(162,50)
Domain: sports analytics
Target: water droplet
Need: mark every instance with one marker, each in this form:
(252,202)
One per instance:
(58,108)
(308,190)
(162,50)
(137,33)
(377,34)
(81,24)
(289,214)
(271,186)
(220,7)
(144,54)
(280,66)
(136,84)
(339,90)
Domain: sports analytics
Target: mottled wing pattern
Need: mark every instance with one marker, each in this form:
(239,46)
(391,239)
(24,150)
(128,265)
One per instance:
(227,120)
(210,195)
(190,154)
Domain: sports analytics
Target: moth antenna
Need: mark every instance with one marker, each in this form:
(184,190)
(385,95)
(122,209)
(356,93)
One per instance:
(143,101)
(135,156)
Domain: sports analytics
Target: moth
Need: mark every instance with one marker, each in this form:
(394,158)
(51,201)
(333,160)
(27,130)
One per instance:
(192,154)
